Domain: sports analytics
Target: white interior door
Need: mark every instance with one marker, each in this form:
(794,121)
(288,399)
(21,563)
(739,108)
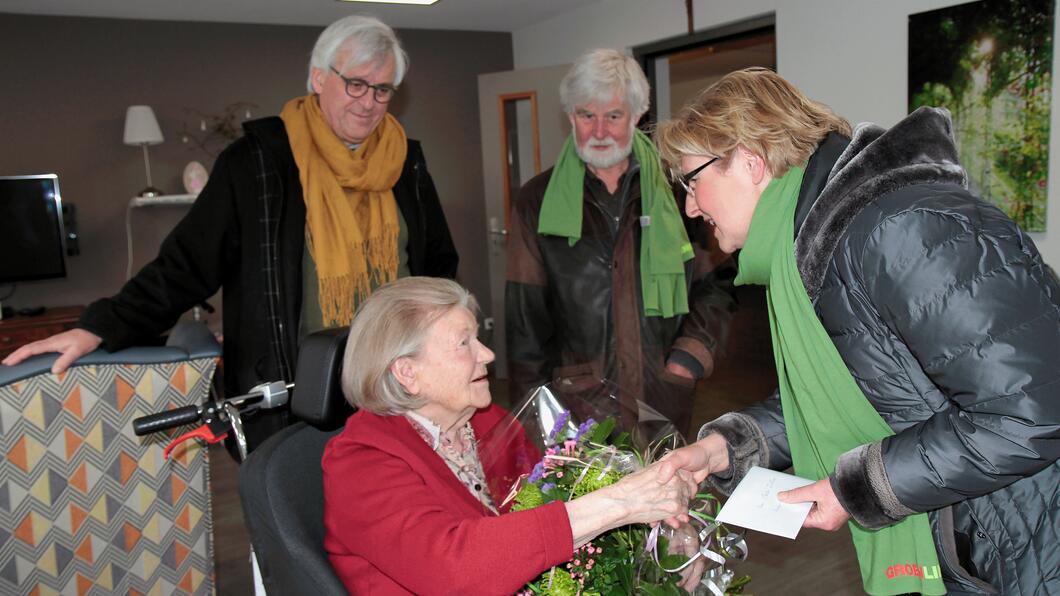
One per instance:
(523,129)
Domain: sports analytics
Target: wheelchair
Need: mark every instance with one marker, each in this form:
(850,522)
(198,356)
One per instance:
(281,481)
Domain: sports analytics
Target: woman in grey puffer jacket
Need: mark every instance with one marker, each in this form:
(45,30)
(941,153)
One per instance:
(941,309)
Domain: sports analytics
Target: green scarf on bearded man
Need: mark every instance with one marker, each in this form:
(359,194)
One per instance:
(664,245)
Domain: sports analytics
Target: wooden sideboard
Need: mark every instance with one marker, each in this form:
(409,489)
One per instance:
(18,331)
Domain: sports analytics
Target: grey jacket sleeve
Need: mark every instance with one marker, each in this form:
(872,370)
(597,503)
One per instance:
(967,292)
(755,436)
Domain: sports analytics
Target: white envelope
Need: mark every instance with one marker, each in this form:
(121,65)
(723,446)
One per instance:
(754,505)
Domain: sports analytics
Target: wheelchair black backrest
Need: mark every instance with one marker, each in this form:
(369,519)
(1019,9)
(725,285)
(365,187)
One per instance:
(317,397)
(281,482)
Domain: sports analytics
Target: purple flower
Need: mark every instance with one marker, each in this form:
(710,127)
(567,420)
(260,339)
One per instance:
(547,486)
(537,473)
(584,428)
(561,421)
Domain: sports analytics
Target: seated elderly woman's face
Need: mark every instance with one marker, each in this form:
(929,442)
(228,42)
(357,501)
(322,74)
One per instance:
(450,370)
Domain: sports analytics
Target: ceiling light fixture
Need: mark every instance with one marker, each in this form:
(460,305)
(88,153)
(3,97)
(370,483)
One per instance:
(417,2)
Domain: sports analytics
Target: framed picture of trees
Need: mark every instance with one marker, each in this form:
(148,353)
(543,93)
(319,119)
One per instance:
(990,64)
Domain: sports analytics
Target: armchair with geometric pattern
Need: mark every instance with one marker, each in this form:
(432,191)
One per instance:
(87,507)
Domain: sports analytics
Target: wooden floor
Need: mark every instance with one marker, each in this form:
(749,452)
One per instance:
(816,562)
(231,544)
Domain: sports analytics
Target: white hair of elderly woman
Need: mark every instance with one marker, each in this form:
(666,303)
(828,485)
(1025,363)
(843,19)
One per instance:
(366,40)
(602,74)
(390,324)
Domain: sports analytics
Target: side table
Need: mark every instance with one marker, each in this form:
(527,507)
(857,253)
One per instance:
(18,331)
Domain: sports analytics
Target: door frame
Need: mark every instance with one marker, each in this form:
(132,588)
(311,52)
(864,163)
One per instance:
(501,100)
(553,129)
(646,54)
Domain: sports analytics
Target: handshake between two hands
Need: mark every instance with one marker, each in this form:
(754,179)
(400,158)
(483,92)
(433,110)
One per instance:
(765,500)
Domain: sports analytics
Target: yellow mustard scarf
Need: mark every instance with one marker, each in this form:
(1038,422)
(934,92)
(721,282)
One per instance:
(351,215)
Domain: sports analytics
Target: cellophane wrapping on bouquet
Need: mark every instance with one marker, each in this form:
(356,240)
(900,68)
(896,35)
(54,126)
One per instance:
(587,439)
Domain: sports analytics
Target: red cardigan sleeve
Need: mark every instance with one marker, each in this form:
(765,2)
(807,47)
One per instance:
(424,537)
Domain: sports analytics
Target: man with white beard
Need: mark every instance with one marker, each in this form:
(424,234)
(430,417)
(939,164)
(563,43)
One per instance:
(606,279)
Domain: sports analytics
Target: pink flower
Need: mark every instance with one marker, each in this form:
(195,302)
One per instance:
(577,562)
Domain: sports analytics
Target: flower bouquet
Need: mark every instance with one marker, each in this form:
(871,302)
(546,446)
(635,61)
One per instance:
(587,443)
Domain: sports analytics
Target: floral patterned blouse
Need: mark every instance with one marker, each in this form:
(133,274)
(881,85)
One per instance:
(461,455)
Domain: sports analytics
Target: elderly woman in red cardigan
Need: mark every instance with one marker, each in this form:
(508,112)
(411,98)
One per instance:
(408,504)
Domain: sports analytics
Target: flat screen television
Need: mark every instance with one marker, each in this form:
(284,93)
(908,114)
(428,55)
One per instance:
(32,238)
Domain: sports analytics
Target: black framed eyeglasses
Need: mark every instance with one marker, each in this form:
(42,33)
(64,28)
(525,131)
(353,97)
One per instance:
(686,179)
(356,88)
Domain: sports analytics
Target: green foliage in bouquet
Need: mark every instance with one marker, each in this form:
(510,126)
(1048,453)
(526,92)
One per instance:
(616,562)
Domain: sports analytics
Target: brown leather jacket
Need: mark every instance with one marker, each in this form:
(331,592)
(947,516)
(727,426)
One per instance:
(576,311)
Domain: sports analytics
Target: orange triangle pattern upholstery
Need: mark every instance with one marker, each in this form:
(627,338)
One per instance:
(87,507)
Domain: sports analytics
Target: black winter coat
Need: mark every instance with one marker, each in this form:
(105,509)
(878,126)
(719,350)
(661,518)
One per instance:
(949,322)
(246,233)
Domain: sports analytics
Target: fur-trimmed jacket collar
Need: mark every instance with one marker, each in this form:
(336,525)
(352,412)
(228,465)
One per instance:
(917,150)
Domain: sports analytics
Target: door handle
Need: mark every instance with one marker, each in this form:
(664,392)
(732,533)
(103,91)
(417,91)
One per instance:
(496,229)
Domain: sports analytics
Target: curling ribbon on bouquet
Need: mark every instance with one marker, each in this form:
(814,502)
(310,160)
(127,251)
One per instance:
(719,577)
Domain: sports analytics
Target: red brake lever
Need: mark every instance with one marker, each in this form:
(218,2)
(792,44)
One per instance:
(203,432)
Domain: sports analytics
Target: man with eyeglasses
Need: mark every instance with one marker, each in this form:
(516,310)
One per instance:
(606,279)
(301,219)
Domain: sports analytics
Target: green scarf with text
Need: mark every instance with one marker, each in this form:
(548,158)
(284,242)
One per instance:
(825,412)
(664,245)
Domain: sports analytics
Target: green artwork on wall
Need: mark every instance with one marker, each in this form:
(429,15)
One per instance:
(990,64)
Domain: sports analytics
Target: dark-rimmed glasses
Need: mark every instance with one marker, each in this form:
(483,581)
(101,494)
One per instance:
(686,179)
(356,88)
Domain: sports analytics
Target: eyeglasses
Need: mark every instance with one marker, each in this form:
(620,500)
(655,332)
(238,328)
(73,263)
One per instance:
(687,179)
(356,88)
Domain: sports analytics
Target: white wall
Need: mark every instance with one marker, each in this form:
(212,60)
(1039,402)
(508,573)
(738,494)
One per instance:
(849,54)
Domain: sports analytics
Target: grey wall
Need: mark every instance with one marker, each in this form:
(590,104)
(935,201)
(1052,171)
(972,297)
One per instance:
(67,82)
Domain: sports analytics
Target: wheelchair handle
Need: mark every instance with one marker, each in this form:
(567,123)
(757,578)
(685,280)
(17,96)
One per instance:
(264,396)
(160,421)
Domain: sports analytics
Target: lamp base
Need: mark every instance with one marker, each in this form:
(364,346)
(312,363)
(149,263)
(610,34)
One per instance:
(150,191)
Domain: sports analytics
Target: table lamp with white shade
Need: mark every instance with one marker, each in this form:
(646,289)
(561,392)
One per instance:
(141,128)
